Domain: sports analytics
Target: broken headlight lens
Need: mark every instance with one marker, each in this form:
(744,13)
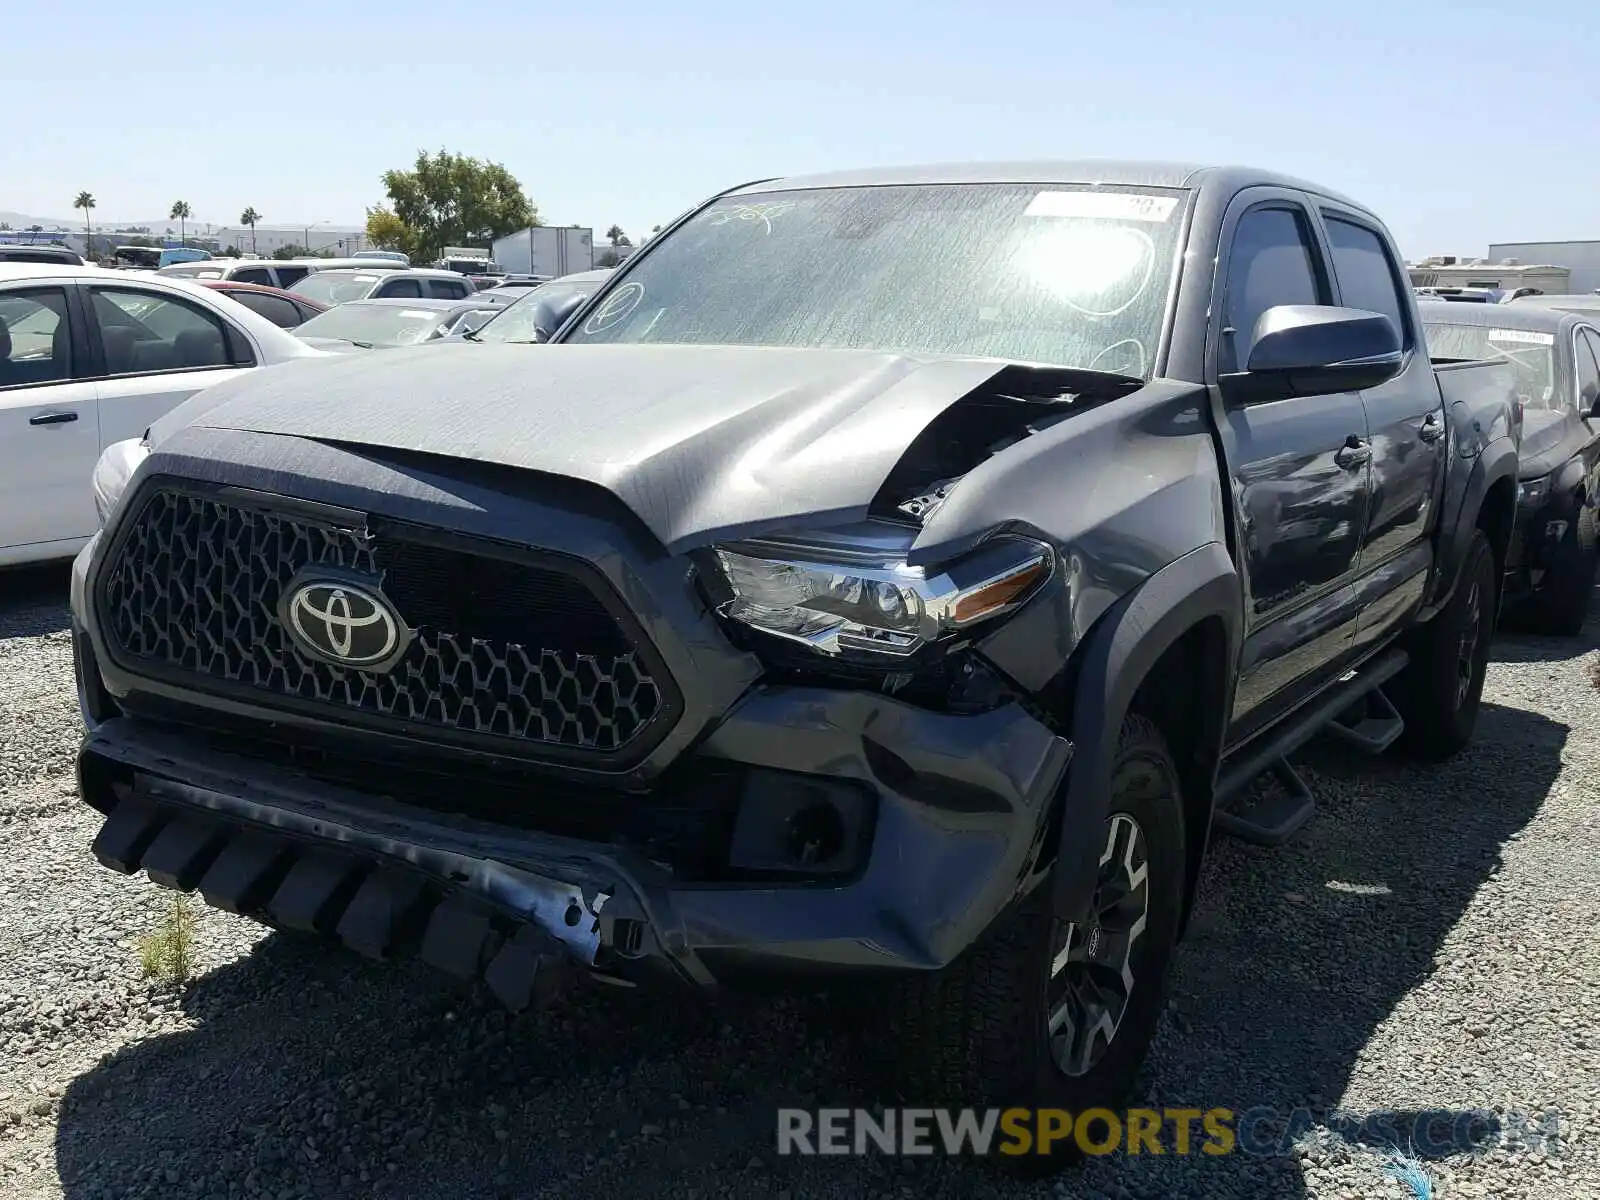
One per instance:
(865,600)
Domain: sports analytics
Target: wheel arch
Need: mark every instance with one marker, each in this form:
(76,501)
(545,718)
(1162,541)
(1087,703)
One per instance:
(1168,650)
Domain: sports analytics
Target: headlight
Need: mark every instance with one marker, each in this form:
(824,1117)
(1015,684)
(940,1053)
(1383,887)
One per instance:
(862,601)
(113,471)
(1533,492)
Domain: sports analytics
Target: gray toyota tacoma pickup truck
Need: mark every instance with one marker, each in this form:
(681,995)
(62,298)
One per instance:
(892,576)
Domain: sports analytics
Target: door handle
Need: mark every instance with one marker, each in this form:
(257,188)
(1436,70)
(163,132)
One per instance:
(57,418)
(1353,453)
(1432,428)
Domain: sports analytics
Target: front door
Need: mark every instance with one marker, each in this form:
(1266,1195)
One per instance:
(1299,472)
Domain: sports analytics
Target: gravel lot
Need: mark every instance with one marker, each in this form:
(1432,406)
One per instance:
(1431,941)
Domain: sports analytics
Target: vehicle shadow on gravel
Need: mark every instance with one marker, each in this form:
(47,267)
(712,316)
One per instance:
(308,1073)
(33,600)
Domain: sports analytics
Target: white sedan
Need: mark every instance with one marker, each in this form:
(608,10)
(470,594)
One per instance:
(89,358)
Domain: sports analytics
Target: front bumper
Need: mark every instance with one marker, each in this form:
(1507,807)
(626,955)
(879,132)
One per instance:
(960,814)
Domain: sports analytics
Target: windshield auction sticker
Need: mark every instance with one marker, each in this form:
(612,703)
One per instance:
(1112,206)
(1522,337)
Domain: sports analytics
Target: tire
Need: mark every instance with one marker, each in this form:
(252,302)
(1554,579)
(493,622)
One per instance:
(1439,691)
(1561,605)
(975,1034)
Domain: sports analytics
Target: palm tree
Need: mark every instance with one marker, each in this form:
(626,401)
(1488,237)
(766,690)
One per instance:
(180,213)
(85,201)
(249,217)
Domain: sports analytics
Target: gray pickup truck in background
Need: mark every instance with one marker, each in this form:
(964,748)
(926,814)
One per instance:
(885,576)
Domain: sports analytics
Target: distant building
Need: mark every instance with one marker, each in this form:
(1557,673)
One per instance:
(1582,259)
(1504,274)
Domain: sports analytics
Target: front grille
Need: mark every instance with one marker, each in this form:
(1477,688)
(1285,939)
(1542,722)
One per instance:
(504,649)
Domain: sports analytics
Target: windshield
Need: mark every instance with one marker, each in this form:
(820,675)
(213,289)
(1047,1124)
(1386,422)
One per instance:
(1530,353)
(376,324)
(471,266)
(1067,275)
(335,287)
(515,322)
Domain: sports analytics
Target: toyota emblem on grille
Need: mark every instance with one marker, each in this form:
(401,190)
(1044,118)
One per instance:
(344,622)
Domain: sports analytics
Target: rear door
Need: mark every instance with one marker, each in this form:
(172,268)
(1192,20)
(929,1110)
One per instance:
(153,351)
(49,422)
(1406,424)
(1299,473)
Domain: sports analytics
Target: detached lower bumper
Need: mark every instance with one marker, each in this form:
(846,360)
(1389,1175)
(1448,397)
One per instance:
(960,809)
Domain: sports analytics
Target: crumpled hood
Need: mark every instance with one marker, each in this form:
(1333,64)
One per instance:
(700,442)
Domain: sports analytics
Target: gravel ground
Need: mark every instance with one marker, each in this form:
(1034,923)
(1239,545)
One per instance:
(1429,942)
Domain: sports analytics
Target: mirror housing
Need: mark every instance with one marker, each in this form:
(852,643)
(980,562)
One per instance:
(1315,350)
(551,313)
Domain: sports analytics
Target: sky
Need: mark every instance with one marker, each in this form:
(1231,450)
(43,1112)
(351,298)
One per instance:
(1458,123)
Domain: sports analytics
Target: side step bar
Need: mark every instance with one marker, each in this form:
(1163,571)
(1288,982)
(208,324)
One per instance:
(1354,710)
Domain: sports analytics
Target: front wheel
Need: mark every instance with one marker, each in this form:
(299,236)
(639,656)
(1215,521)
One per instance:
(1044,1013)
(1561,604)
(1439,691)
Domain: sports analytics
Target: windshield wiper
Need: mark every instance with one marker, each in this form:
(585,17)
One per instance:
(471,335)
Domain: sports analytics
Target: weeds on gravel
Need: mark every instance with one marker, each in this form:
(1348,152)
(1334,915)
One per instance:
(1408,1171)
(167,953)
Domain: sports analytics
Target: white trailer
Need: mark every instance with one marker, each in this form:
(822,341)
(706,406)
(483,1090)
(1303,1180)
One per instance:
(547,251)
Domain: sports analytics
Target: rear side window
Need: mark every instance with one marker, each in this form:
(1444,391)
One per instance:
(274,308)
(144,333)
(35,346)
(1368,278)
(401,287)
(449,289)
(289,275)
(253,275)
(1272,262)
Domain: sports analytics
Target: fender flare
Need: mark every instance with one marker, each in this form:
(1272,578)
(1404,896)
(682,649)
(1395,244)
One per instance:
(1498,461)
(1117,656)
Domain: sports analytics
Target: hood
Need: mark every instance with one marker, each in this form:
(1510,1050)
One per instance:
(700,442)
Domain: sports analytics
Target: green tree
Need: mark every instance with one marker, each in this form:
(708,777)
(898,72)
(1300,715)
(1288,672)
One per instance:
(451,200)
(385,231)
(181,214)
(616,237)
(35,228)
(608,258)
(231,251)
(85,201)
(249,217)
(289,251)
(5,226)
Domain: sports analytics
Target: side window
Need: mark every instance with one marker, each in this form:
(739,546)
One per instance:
(253,275)
(410,288)
(35,337)
(274,308)
(290,275)
(1588,356)
(448,289)
(1367,275)
(142,332)
(1272,262)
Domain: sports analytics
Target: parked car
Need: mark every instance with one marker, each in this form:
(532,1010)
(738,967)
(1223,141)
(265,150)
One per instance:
(894,576)
(508,283)
(393,256)
(385,324)
(533,315)
(18,253)
(1555,355)
(283,309)
(273,272)
(341,286)
(91,357)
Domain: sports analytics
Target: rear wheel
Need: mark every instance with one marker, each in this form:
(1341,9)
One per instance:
(1439,691)
(1045,1013)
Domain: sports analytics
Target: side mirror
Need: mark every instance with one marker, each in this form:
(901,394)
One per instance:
(551,313)
(1315,350)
